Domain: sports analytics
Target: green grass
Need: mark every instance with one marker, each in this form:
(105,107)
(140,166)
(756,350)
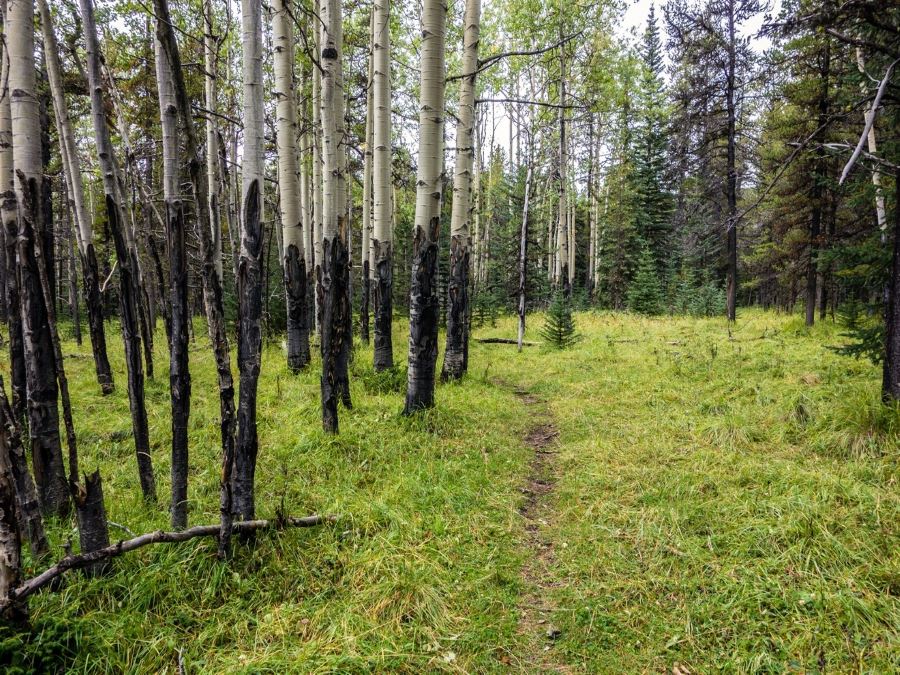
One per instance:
(725,504)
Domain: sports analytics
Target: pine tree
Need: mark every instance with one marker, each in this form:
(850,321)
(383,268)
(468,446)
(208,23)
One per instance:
(559,328)
(645,294)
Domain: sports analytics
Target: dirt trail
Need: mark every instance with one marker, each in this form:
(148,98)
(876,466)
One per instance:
(536,607)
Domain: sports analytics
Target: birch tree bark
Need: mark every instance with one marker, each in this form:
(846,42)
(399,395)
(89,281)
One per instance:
(382,232)
(129,292)
(40,369)
(294,253)
(456,353)
(75,187)
(423,297)
(179,369)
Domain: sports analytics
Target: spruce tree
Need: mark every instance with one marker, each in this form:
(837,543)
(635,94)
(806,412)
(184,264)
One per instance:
(559,327)
(650,148)
(645,294)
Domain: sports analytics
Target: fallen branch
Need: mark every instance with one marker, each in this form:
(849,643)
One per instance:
(503,341)
(71,562)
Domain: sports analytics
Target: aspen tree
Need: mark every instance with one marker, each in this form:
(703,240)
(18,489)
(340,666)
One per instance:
(129,299)
(424,306)
(75,189)
(213,150)
(40,368)
(335,305)
(561,274)
(294,253)
(317,186)
(212,288)
(250,263)
(10,223)
(456,354)
(382,231)
(366,239)
(179,373)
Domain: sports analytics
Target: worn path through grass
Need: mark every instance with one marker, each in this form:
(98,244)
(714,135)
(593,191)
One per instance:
(723,500)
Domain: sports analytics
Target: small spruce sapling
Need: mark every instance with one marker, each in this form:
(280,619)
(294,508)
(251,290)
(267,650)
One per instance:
(645,294)
(558,330)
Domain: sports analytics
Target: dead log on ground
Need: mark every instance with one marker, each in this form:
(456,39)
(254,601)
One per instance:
(82,560)
(503,341)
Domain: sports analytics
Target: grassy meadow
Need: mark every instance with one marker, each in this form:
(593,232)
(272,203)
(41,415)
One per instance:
(721,500)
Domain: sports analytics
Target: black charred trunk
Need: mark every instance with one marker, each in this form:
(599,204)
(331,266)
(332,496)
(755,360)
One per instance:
(456,354)
(295,278)
(94,304)
(179,371)
(165,310)
(211,280)
(145,322)
(31,523)
(383,309)
(249,346)
(40,373)
(364,302)
(320,296)
(424,313)
(129,309)
(890,387)
(74,308)
(14,313)
(311,304)
(4,312)
(93,530)
(10,544)
(335,307)
(345,303)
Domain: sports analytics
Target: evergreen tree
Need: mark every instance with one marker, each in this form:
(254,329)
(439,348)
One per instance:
(650,148)
(645,295)
(559,328)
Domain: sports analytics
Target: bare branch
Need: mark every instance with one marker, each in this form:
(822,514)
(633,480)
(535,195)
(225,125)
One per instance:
(525,102)
(484,64)
(870,120)
(72,562)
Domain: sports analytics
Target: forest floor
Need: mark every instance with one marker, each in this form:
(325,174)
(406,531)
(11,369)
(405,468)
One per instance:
(667,496)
